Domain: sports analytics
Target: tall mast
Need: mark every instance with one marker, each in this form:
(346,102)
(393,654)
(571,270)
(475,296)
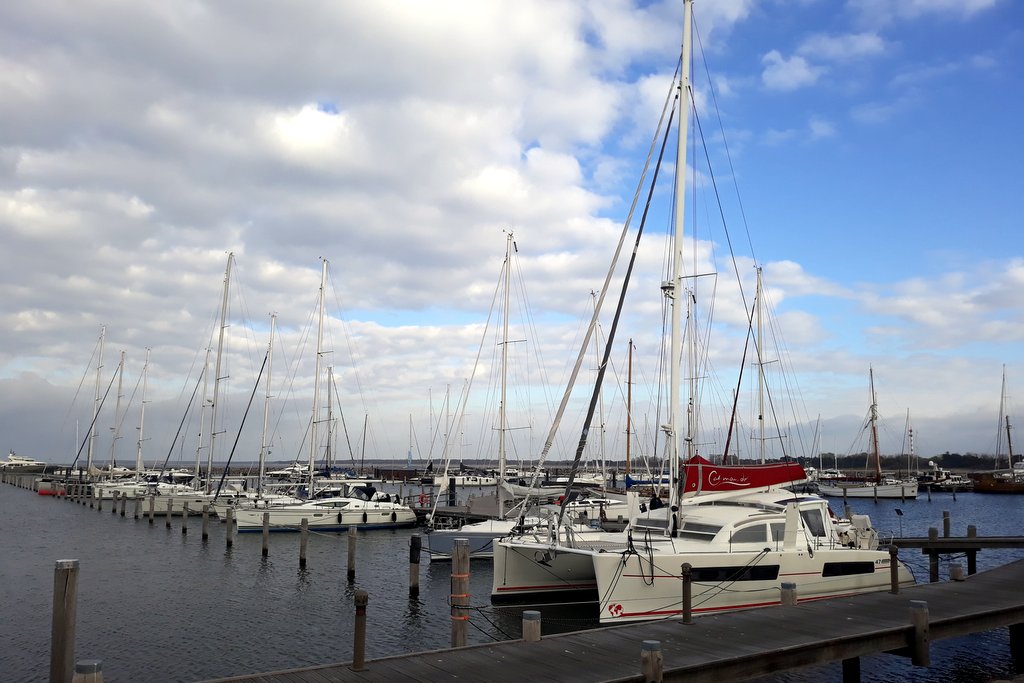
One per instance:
(328,452)
(95,402)
(139,464)
(629,404)
(760,369)
(600,393)
(874,428)
(674,287)
(202,420)
(116,429)
(316,374)
(502,415)
(264,446)
(999,424)
(216,375)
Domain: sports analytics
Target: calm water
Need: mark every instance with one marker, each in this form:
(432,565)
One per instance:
(157,605)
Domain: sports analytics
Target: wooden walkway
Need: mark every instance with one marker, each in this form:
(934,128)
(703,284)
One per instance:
(717,647)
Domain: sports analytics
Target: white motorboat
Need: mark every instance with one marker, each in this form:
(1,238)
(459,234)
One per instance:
(21,464)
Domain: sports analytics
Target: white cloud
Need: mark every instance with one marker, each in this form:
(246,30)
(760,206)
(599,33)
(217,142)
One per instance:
(788,74)
(843,48)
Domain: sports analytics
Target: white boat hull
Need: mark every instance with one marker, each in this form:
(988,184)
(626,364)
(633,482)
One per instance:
(900,491)
(327,515)
(633,588)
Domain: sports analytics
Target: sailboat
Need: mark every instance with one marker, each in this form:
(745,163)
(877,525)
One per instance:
(875,486)
(742,540)
(1011,479)
(362,507)
(483,534)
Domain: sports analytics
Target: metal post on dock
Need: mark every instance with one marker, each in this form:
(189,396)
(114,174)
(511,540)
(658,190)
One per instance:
(184,517)
(651,663)
(88,671)
(266,534)
(945,523)
(359,637)
(460,591)
(415,550)
(920,652)
(206,522)
(687,573)
(972,555)
(1017,647)
(353,532)
(933,556)
(789,597)
(531,625)
(894,570)
(62,633)
(303,542)
(229,533)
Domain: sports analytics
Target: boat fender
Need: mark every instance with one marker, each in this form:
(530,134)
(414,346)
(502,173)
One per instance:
(364,518)
(339,518)
(394,516)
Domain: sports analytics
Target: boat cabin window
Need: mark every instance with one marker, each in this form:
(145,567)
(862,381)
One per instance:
(778,531)
(814,521)
(697,531)
(752,533)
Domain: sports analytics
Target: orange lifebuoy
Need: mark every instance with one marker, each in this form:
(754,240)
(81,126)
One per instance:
(423,499)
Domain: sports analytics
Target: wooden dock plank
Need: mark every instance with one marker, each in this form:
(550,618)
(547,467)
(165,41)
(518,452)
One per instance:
(715,647)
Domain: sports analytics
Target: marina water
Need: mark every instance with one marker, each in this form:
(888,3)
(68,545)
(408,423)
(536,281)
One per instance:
(158,605)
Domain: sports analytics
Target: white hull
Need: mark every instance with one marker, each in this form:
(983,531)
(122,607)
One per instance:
(633,588)
(869,490)
(332,514)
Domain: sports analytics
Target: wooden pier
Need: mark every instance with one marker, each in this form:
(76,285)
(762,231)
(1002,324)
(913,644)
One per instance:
(732,646)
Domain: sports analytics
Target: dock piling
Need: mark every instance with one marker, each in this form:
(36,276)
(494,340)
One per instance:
(88,671)
(894,570)
(206,522)
(460,591)
(651,662)
(229,533)
(945,523)
(956,572)
(920,653)
(117,497)
(303,542)
(362,598)
(415,550)
(789,595)
(138,508)
(531,625)
(124,503)
(266,534)
(169,502)
(62,633)
(687,572)
(353,532)
(152,511)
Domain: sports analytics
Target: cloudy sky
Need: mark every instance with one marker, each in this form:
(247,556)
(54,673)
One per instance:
(867,154)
